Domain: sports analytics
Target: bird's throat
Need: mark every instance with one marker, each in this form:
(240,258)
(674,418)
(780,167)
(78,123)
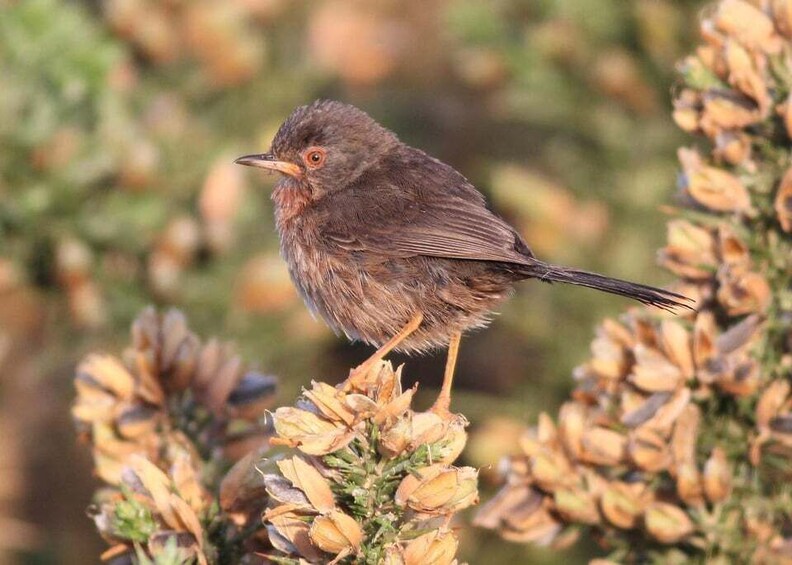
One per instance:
(290,198)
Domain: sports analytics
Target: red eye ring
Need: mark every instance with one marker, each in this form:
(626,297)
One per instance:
(314,157)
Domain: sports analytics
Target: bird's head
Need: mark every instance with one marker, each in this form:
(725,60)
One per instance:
(325,146)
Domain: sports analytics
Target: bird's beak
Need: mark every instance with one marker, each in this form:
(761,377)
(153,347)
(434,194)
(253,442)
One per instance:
(268,161)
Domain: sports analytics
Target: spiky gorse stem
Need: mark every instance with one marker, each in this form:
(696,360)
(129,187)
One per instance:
(372,481)
(677,443)
(165,422)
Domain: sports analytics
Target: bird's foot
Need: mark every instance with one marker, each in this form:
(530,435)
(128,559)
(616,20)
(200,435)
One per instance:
(365,374)
(442,406)
(359,375)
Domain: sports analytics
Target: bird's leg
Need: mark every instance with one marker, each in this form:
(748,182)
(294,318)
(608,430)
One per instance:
(359,373)
(443,402)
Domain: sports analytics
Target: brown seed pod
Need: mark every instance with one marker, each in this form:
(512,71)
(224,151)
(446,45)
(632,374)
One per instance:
(717,476)
(623,504)
(667,523)
(783,200)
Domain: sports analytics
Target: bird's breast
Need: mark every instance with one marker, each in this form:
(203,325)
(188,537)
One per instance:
(349,292)
(322,277)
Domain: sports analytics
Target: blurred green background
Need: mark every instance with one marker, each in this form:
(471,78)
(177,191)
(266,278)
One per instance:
(119,120)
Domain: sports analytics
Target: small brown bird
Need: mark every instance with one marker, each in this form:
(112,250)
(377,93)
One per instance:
(393,247)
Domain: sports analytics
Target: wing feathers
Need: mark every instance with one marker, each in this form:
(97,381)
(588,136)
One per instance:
(439,220)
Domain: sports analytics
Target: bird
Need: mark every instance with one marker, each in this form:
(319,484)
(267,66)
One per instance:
(393,247)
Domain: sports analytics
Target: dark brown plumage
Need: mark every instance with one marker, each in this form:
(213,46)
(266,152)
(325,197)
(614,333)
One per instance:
(378,234)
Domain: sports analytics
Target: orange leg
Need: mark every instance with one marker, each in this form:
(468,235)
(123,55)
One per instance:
(443,402)
(359,373)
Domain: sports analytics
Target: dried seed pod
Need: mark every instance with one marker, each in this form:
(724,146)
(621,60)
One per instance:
(550,469)
(723,111)
(331,403)
(653,372)
(649,450)
(602,446)
(438,548)
(514,497)
(667,523)
(689,485)
(747,24)
(783,200)
(252,396)
(717,476)
(242,489)
(739,337)
(219,203)
(336,532)
(731,249)
(704,347)
(107,372)
(637,407)
(742,291)
(571,423)
(734,148)
(772,400)
(744,74)
(711,187)
(308,432)
(138,420)
(782,15)
(609,358)
(306,478)
(534,524)
(666,415)
(419,428)
(576,505)
(289,532)
(439,490)
(623,504)
(263,285)
(743,378)
(690,252)
(683,441)
(687,110)
(166,504)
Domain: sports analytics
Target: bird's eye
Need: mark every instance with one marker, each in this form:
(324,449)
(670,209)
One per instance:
(314,157)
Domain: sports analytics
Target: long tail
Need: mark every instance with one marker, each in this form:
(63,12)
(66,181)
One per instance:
(664,299)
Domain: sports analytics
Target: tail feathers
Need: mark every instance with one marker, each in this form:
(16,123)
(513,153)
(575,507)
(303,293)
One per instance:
(645,294)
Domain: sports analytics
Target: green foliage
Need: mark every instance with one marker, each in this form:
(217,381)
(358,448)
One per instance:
(53,86)
(132,520)
(170,555)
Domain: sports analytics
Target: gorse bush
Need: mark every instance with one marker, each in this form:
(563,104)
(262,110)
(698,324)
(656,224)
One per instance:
(675,444)
(165,423)
(377,485)
(372,480)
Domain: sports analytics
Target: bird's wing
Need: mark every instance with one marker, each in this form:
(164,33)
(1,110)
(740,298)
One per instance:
(402,216)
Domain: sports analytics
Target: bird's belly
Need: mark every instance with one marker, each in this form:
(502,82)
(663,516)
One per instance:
(349,298)
(370,300)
